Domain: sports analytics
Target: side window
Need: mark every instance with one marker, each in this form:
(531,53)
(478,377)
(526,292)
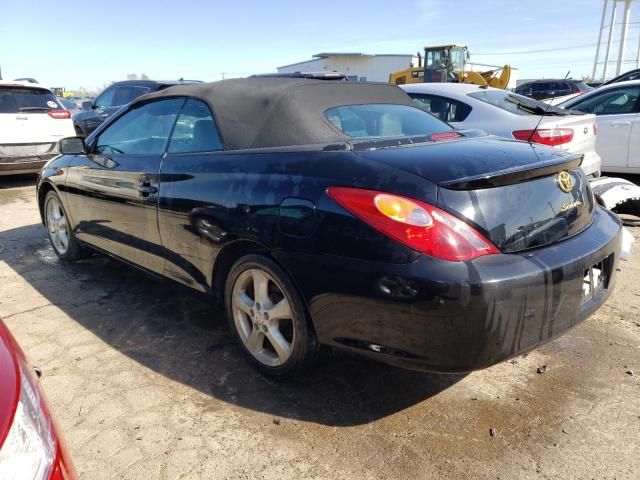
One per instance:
(141,131)
(127,94)
(541,87)
(524,89)
(611,102)
(445,109)
(105,99)
(195,130)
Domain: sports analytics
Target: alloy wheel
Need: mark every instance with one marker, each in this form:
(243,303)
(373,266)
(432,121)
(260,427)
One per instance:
(263,317)
(57,225)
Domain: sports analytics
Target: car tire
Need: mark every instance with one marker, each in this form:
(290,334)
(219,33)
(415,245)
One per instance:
(59,231)
(268,318)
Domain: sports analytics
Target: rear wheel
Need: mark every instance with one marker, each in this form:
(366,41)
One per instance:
(58,229)
(268,317)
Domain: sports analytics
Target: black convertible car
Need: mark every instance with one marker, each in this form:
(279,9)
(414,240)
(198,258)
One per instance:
(339,213)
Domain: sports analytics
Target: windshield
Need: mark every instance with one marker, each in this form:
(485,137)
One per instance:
(25,100)
(514,103)
(384,121)
(457,59)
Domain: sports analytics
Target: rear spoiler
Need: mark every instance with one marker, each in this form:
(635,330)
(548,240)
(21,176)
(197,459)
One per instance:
(514,175)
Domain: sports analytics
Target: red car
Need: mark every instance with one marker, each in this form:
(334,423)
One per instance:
(30,446)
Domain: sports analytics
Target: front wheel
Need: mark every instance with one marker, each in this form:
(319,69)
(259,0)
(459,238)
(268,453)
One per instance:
(267,316)
(58,229)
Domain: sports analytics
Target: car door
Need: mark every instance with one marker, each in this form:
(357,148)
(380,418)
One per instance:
(616,110)
(113,189)
(193,230)
(633,159)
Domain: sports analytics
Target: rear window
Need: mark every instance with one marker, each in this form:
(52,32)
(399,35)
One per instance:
(26,100)
(383,120)
(512,102)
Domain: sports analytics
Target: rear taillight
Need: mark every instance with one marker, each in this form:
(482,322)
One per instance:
(29,451)
(595,128)
(546,136)
(59,113)
(416,224)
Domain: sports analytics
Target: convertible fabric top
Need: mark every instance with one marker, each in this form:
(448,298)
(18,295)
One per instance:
(259,112)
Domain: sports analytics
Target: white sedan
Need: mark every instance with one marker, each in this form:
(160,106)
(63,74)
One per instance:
(32,120)
(617,110)
(506,114)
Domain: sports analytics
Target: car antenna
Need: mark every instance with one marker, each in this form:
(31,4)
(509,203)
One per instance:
(546,110)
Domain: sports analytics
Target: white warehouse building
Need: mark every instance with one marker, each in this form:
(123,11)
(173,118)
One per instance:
(357,66)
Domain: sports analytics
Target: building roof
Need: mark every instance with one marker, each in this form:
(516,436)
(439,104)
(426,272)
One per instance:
(318,56)
(261,112)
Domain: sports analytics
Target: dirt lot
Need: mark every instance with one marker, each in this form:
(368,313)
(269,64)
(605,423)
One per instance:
(146,384)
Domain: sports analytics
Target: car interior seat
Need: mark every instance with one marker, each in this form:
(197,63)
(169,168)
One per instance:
(438,108)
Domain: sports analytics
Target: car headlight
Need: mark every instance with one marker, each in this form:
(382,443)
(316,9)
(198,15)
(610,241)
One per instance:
(29,450)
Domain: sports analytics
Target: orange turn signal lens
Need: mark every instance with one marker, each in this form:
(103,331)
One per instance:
(402,210)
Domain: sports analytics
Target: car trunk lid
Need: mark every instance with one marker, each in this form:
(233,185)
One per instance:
(583,128)
(518,195)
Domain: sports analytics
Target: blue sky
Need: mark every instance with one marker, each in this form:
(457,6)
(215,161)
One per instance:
(88,43)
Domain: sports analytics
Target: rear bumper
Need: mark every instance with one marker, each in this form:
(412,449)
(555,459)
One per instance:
(456,316)
(13,166)
(25,157)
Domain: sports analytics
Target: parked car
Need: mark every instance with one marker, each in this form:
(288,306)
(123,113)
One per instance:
(113,98)
(339,213)
(30,444)
(617,110)
(509,115)
(32,120)
(549,88)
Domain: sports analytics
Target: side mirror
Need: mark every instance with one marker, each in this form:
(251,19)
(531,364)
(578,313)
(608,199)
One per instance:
(72,146)
(86,105)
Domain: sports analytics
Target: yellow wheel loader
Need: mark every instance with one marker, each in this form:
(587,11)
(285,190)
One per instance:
(446,63)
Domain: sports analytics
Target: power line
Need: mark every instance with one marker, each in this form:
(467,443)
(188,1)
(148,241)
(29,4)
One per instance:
(573,47)
(537,51)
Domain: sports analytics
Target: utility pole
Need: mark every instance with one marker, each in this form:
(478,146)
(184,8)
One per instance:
(620,41)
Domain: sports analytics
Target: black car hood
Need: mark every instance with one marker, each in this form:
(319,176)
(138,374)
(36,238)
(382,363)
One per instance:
(469,161)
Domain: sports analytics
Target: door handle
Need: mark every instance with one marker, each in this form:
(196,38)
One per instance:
(145,189)
(620,124)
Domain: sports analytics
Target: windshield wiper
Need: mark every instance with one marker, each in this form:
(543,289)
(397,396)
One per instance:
(34,109)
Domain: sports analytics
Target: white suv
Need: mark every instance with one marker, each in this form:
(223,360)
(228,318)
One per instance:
(32,120)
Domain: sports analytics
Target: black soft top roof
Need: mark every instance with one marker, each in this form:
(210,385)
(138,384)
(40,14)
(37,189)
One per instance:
(259,112)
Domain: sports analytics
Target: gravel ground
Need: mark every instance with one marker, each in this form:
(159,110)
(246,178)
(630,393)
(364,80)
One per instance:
(146,383)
